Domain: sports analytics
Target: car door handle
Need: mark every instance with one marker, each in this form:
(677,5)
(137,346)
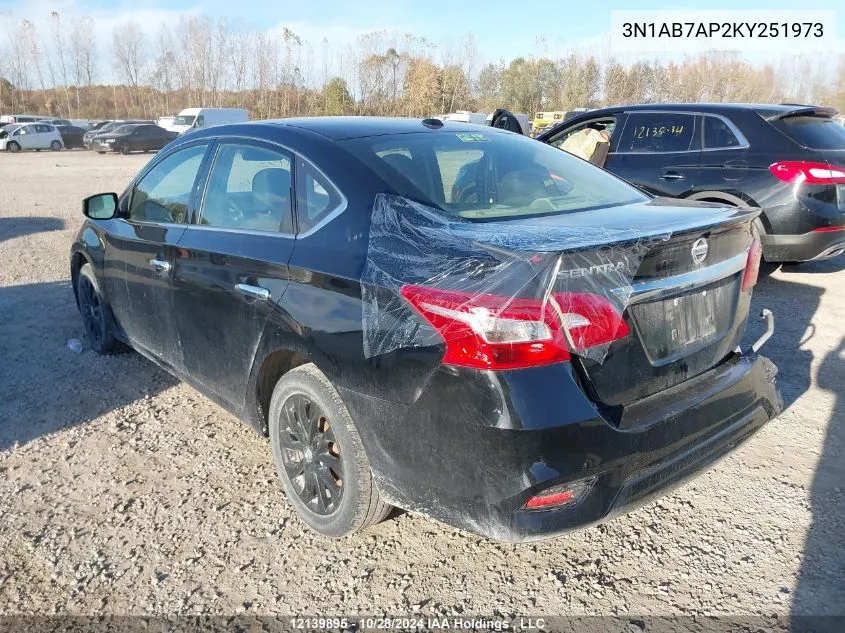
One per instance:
(671,175)
(256,292)
(160,265)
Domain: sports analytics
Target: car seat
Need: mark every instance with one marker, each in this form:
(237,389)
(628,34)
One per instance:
(271,196)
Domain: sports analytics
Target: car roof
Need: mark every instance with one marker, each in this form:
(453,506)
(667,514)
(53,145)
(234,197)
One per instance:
(762,108)
(346,127)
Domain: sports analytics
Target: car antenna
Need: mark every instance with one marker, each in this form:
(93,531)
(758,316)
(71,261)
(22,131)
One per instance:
(432,123)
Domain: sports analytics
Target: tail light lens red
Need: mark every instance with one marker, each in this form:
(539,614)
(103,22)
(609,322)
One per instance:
(827,229)
(560,495)
(496,332)
(796,171)
(752,266)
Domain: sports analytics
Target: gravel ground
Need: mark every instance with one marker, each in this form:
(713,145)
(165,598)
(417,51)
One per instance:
(123,491)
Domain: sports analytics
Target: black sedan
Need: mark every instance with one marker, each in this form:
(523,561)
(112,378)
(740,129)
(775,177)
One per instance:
(133,138)
(72,136)
(555,349)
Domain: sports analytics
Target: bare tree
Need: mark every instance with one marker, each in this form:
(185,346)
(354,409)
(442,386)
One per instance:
(83,50)
(129,49)
(60,48)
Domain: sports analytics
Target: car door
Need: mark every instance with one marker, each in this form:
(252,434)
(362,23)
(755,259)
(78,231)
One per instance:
(724,158)
(231,266)
(136,139)
(26,137)
(42,136)
(659,152)
(161,138)
(141,249)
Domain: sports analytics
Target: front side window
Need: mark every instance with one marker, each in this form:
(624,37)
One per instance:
(164,193)
(648,132)
(489,175)
(249,188)
(718,134)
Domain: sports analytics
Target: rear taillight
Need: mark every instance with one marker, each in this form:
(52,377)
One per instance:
(796,171)
(826,229)
(495,332)
(560,495)
(752,265)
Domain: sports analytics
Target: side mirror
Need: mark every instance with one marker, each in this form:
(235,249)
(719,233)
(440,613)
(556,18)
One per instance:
(101,206)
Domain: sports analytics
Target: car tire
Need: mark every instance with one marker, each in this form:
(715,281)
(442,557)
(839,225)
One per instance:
(328,480)
(13,147)
(124,148)
(96,313)
(56,146)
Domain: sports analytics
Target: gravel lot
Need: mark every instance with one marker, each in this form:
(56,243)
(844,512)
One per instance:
(123,491)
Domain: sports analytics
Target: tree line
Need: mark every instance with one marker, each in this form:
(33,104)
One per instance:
(59,68)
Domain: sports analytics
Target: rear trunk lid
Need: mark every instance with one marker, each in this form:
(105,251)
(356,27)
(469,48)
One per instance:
(686,312)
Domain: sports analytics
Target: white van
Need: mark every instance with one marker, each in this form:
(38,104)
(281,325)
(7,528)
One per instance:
(465,116)
(7,119)
(206,117)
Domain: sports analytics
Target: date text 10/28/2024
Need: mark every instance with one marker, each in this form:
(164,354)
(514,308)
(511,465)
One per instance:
(415,624)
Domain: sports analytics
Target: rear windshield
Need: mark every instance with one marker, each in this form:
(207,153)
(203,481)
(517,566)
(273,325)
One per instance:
(486,175)
(814,132)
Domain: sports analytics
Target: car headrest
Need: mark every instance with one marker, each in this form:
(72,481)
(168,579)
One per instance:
(405,166)
(272,182)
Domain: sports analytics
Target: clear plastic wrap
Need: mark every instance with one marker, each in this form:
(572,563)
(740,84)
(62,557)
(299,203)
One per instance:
(500,294)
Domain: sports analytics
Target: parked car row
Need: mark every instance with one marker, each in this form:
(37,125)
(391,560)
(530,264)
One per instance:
(123,136)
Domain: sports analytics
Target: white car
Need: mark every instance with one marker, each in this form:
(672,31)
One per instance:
(37,136)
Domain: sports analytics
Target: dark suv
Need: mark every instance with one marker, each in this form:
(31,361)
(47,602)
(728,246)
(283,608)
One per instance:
(555,349)
(787,160)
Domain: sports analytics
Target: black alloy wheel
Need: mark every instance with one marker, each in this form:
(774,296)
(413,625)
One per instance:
(311,454)
(93,316)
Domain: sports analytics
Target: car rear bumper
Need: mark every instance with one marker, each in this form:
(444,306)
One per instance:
(803,247)
(441,457)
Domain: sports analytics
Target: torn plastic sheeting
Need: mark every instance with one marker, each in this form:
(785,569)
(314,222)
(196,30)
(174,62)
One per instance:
(429,279)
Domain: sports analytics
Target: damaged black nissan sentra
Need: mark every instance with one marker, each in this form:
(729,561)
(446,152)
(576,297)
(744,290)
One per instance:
(536,351)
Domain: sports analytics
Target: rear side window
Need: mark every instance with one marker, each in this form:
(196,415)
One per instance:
(647,132)
(163,194)
(718,134)
(317,198)
(249,188)
(813,132)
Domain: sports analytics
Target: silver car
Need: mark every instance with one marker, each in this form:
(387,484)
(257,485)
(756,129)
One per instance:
(37,136)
